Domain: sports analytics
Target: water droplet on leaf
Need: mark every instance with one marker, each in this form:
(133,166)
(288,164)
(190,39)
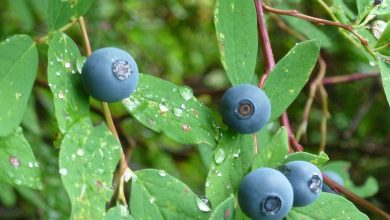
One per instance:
(163,107)
(162,173)
(178,112)
(63,171)
(202,204)
(186,93)
(219,156)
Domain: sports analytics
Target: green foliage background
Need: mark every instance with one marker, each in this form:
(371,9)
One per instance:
(176,40)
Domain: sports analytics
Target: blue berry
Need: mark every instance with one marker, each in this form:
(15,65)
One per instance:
(245,108)
(110,74)
(306,180)
(335,177)
(265,194)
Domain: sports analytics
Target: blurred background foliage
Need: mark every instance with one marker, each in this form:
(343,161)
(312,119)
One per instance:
(175,40)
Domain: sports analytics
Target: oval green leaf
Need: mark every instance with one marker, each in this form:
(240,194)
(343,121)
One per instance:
(19,62)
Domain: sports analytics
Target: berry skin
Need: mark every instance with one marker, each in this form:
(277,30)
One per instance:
(110,74)
(265,194)
(335,177)
(306,180)
(245,108)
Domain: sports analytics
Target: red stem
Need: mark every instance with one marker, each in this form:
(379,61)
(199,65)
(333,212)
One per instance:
(269,65)
(264,42)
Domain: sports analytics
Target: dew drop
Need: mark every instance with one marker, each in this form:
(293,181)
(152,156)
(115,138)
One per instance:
(18,181)
(80,63)
(237,153)
(63,171)
(80,152)
(163,107)
(219,174)
(178,112)
(185,127)
(219,156)
(162,173)
(128,174)
(131,104)
(202,204)
(68,65)
(30,164)
(186,93)
(152,200)
(14,161)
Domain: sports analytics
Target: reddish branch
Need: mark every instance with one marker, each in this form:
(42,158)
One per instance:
(264,42)
(269,65)
(348,78)
(320,21)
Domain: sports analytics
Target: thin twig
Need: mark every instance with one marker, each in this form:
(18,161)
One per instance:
(293,142)
(355,198)
(269,65)
(295,13)
(325,117)
(110,123)
(314,86)
(348,78)
(44,39)
(264,42)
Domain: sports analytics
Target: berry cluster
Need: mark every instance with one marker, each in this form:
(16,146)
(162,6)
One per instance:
(269,194)
(110,74)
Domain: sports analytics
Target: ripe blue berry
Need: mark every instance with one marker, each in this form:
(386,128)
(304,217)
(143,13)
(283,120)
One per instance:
(110,74)
(265,194)
(335,177)
(306,180)
(245,108)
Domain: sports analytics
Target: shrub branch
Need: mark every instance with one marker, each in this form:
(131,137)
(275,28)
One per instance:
(123,168)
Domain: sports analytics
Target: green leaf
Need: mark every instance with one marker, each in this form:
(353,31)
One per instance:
(236,26)
(87,160)
(173,110)
(364,8)
(224,211)
(318,160)
(118,213)
(232,161)
(157,195)
(327,206)
(19,62)
(290,75)
(342,11)
(369,188)
(385,73)
(70,99)
(18,166)
(272,155)
(62,12)
(384,40)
